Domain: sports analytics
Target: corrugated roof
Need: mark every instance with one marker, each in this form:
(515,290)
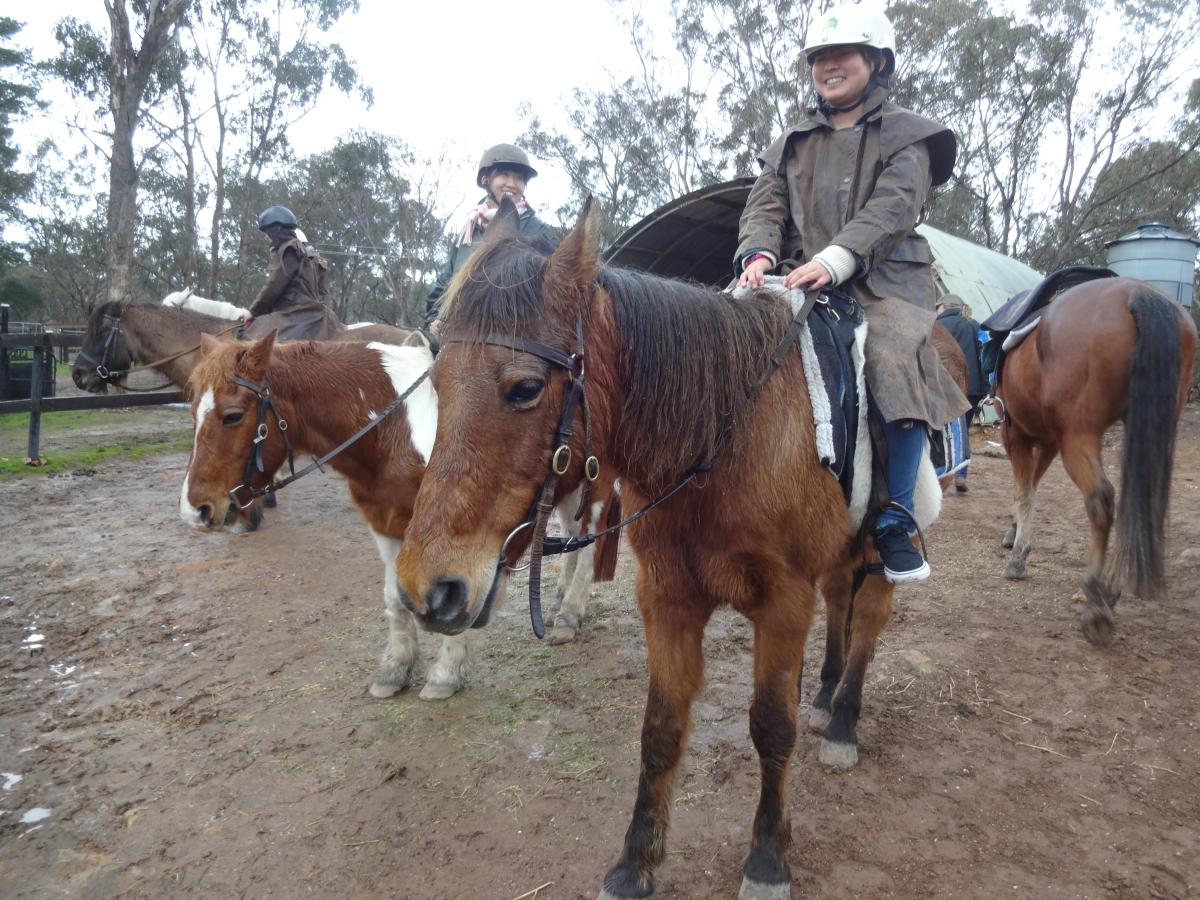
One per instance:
(695,237)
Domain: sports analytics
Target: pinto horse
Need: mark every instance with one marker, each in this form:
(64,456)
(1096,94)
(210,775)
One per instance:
(674,384)
(325,392)
(1104,350)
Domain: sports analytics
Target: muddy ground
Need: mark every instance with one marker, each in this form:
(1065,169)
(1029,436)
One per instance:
(185,715)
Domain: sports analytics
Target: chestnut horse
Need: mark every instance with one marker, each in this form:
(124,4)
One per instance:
(325,392)
(674,385)
(1106,350)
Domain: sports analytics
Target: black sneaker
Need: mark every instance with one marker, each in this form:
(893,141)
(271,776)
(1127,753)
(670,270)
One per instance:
(901,561)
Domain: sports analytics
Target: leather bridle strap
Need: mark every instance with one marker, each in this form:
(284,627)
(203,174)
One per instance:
(317,463)
(255,458)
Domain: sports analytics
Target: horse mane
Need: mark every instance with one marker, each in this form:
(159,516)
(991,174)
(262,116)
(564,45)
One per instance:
(691,358)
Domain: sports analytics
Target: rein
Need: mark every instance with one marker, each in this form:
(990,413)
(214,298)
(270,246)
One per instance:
(255,461)
(560,459)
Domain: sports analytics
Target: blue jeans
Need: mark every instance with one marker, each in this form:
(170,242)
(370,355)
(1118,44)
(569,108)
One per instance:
(906,443)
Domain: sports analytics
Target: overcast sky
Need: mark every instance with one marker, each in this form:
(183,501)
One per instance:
(446,75)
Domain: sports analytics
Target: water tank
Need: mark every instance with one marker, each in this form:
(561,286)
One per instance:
(1158,254)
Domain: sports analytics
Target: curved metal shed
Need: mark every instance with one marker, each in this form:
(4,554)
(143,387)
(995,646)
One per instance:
(695,236)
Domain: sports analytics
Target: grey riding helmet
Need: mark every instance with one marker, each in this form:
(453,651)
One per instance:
(506,156)
(277,215)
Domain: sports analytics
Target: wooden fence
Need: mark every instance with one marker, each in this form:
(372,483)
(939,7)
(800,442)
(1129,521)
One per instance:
(43,346)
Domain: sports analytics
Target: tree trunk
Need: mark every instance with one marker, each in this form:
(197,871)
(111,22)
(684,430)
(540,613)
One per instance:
(128,74)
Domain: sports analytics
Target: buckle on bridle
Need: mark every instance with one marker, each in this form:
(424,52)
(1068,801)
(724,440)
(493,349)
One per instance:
(561,461)
(591,468)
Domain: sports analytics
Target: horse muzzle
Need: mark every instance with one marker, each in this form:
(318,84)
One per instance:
(448,609)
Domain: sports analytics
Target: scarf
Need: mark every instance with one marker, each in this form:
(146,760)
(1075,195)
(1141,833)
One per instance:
(481,216)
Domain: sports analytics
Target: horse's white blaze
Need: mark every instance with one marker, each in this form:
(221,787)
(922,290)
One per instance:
(187,512)
(404,365)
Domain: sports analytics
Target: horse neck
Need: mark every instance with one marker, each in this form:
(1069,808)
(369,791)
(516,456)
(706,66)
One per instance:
(328,394)
(153,333)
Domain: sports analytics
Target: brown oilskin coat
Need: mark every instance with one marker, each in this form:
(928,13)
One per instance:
(864,188)
(292,300)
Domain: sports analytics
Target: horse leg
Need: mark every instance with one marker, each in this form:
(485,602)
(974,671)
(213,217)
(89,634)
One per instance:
(674,646)
(871,607)
(1030,460)
(836,589)
(780,630)
(1081,457)
(449,674)
(576,583)
(396,664)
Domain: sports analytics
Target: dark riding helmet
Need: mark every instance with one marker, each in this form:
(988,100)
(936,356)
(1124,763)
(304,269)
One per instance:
(277,215)
(505,156)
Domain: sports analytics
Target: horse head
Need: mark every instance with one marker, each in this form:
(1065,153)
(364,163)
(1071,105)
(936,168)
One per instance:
(103,358)
(238,441)
(500,401)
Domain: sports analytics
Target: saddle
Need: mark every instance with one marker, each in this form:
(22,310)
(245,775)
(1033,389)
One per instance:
(1017,318)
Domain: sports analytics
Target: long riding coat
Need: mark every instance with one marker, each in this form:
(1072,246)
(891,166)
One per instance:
(292,300)
(864,188)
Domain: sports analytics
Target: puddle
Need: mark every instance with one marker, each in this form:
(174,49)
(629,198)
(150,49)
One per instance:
(11,780)
(62,670)
(35,640)
(35,815)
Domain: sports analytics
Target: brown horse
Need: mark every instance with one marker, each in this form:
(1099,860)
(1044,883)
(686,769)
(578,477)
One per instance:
(326,392)
(121,335)
(674,383)
(1105,350)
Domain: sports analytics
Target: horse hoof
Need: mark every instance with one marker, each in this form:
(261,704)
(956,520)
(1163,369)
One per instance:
(818,718)
(1098,625)
(1010,538)
(1014,571)
(438,690)
(384,689)
(756,890)
(561,634)
(838,756)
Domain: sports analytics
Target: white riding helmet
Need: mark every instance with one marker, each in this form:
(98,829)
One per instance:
(853,24)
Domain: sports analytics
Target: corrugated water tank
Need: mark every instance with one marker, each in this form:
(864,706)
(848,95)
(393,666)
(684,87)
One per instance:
(1156,253)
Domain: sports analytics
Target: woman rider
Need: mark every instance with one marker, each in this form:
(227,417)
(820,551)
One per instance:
(503,171)
(842,192)
(292,302)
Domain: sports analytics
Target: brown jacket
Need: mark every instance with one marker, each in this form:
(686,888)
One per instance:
(292,300)
(864,188)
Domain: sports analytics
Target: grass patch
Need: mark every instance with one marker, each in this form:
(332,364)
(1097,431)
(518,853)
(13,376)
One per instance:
(17,424)
(128,447)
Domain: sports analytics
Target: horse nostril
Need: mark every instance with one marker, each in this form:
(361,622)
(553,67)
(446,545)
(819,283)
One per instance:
(447,599)
(206,513)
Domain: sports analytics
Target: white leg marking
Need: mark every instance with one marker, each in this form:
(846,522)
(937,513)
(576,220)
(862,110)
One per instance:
(449,674)
(396,663)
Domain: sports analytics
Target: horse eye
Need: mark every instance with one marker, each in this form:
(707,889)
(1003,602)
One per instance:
(232,418)
(525,393)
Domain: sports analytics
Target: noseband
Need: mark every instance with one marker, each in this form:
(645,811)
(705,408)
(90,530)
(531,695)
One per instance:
(102,371)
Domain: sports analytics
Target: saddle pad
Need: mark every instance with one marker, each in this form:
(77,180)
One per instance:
(1014,338)
(949,447)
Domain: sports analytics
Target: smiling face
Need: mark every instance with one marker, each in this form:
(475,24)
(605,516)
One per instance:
(501,182)
(841,74)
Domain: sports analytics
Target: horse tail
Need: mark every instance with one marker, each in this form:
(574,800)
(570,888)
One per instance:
(604,565)
(1149,451)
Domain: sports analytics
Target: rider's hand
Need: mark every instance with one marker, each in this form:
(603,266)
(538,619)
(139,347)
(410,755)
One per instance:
(246,320)
(755,272)
(812,276)
(434,326)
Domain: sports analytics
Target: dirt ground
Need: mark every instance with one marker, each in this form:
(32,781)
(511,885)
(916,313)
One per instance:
(185,715)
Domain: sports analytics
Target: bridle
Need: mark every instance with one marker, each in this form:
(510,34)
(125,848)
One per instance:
(266,410)
(110,376)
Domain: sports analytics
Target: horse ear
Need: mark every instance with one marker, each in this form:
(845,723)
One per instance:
(578,256)
(208,343)
(507,223)
(257,357)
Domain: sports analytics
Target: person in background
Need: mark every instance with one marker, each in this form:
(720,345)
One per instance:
(292,302)
(841,193)
(954,315)
(503,171)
